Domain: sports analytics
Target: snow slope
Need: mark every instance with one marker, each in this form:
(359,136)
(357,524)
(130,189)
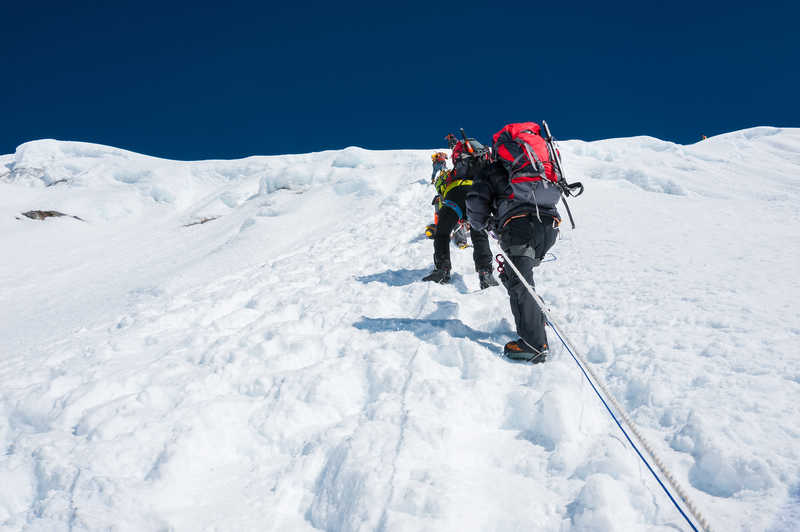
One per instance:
(280,367)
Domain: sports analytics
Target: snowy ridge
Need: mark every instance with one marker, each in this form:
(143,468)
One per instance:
(280,367)
(212,187)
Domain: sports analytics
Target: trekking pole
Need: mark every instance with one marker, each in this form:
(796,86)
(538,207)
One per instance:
(567,189)
(555,156)
(569,212)
(606,398)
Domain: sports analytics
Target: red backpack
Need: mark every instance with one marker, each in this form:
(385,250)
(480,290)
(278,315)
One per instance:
(525,155)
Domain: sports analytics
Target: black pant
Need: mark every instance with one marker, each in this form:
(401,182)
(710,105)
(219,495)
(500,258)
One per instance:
(525,242)
(448,219)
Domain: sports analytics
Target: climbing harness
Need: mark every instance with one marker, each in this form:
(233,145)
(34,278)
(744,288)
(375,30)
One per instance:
(549,257)
(453,205)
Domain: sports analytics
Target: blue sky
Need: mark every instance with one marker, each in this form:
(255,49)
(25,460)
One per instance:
(223,80)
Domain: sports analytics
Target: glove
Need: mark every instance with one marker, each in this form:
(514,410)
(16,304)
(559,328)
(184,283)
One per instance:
(435,200)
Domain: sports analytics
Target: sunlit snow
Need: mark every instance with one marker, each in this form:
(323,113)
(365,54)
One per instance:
(246,345)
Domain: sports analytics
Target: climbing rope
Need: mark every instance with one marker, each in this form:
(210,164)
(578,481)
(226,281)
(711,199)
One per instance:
(591,376)
(606,398)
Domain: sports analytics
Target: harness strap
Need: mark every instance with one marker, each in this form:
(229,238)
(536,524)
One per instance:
(526,250)
(556,221)
(523,250)
(456,183)
(453,205)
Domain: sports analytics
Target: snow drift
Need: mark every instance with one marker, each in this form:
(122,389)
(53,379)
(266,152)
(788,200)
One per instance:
(281,367)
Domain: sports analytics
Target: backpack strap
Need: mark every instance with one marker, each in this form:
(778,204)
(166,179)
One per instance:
(516,160)
(534,158)
(540,167)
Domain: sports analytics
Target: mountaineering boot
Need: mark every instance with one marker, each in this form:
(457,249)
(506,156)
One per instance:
(430,230)
(520,350)
(487,279)
(460,236)
(438,275)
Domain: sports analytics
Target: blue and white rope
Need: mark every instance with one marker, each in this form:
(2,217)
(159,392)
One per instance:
(605,398)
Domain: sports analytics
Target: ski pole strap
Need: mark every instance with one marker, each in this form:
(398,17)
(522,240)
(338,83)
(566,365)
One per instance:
(570,188)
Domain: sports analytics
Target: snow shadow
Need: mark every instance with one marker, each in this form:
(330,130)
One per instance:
(407,277)
(427,328)
(395,277)
(789,515)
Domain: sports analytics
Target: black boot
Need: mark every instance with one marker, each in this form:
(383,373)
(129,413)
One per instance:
(460,236)
(487,279)
(438,275)
(520,350)
(430,231)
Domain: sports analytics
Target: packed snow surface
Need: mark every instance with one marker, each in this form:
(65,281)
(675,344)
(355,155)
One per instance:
(246,345)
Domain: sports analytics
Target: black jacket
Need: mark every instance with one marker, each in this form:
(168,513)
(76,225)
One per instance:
(490,186)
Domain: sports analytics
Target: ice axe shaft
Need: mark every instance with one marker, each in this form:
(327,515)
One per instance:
(467,144)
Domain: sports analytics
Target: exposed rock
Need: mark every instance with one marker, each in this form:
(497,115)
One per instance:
(201,221)
(41,215)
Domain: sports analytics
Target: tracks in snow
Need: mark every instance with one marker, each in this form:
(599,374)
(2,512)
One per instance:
(331,390)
